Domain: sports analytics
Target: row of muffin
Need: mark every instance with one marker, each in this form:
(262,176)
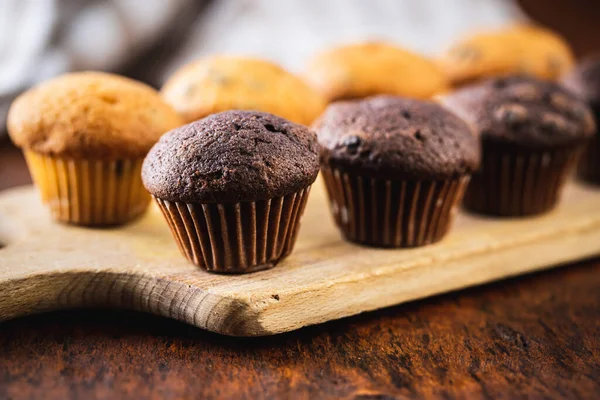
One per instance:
(359,70)
(233,186)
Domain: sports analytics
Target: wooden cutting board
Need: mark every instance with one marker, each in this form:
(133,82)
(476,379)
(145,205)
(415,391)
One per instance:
(46,266)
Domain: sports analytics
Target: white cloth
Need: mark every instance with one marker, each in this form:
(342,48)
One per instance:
(43,38)
(291,31)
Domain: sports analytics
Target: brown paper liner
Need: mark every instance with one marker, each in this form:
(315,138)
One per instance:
(519,184)
(89,192)
(589,165)
(392,213)
(236,238)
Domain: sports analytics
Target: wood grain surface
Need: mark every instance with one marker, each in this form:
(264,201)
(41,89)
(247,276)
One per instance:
(47,266)
(536,337)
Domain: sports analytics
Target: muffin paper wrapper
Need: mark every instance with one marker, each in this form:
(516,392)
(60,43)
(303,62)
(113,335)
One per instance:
(89,192)
(236,238)
(392,213)
(519,184)
(589,165)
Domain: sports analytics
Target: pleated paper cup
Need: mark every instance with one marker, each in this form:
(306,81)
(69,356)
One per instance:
(236,238)
(589,165)
(89,192)
(392,213)
(513,183)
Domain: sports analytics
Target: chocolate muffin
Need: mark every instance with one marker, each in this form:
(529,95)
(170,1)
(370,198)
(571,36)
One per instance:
(233,187)
(584,81)
(395,168)
(84,136)
(532,132)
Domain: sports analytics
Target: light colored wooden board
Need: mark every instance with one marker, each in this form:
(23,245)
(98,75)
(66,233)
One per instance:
(47,266)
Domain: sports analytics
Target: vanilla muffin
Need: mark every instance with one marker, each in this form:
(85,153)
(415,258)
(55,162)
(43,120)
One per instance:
(84,136)
(221,83)
(518,49)
(367,69)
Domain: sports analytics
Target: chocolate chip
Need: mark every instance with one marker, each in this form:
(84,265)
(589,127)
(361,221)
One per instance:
(511,114)
(271,128)
(419,136)
(406,114)
(352,143)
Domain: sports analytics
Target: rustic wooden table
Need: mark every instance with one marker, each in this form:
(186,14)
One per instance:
(536,336)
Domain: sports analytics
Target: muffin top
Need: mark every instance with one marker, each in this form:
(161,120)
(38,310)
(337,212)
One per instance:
(367,69)
(519,49)
(90,115)
(584,80)
(388,136)
(233,156)
(221,83)
(523,111)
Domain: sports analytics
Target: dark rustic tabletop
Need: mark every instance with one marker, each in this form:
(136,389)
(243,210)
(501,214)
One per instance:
(536,336)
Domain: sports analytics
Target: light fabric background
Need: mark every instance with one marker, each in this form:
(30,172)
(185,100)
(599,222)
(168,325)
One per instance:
(42,38)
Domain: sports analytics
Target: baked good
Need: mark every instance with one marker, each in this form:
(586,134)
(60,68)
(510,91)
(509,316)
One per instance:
(532,132)
(84,136)
(367,69)
(518,49)
(233,187)
(221,83)
(584,81)
(395,168)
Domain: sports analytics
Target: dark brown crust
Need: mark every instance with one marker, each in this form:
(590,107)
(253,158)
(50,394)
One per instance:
(523,111)
(394,137)
(231,157)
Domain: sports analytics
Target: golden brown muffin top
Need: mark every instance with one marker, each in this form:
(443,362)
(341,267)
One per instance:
(92,115)
(372,68)
(517,49)
(221,83)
